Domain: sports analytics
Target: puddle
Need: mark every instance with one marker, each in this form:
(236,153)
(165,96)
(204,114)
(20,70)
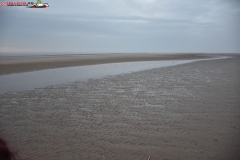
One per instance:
(42,78)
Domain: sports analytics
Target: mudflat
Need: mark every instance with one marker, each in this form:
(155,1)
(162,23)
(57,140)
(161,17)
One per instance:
(188,111)
(16,64)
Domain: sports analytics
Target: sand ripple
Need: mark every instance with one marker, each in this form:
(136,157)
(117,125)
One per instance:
(189,111)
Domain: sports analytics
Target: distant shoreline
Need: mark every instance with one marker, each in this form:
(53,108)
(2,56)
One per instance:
(17,64)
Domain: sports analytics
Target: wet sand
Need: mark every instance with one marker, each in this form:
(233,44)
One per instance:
(186,112)
(16,64)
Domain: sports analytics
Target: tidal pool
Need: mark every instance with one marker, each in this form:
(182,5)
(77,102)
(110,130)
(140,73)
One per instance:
(42,78)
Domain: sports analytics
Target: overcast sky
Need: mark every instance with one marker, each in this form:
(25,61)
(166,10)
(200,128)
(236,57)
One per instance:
(99,26)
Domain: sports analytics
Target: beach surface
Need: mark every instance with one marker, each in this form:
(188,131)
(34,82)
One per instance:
(189,111)
(16,64)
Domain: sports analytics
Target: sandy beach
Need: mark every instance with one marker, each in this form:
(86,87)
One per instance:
(188,111)
(16,64)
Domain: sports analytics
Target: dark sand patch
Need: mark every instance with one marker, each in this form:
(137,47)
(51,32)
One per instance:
(189,111)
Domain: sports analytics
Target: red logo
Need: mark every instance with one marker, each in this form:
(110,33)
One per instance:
(39,4)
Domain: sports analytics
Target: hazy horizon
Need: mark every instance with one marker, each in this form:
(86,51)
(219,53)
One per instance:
(55,53)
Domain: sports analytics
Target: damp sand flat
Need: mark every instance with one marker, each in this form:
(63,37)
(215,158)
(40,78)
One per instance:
(189,111)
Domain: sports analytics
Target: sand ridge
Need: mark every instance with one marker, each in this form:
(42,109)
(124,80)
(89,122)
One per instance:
(16,64)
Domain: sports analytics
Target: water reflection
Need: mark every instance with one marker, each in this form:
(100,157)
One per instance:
(36,79)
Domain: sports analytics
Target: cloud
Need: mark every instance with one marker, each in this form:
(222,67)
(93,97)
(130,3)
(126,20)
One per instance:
(124,25)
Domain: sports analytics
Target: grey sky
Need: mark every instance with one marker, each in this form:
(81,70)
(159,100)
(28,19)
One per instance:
(98,26)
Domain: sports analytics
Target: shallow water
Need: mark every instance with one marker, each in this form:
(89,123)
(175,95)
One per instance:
(37,79)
